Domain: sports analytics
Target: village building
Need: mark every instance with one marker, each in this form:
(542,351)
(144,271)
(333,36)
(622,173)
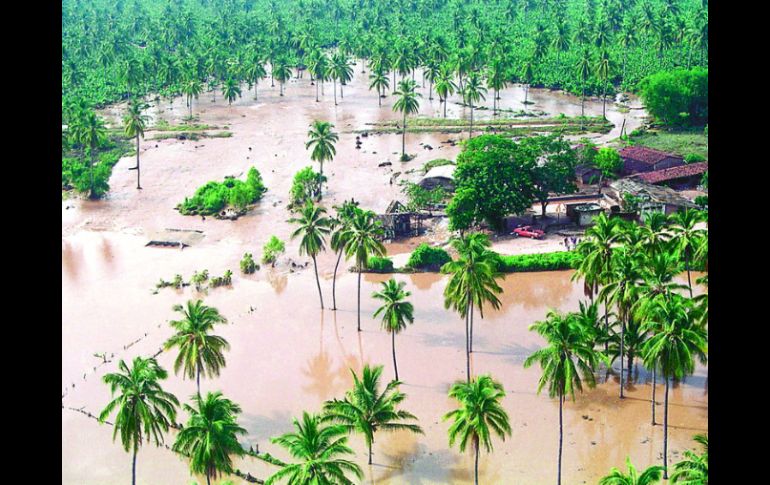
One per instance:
(441,176)
(638,159)
(587,174)
(683,177)
(397,221)
(653,197)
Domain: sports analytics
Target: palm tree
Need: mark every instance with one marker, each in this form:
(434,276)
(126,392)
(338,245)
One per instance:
(655,233)
(685,237)
(210,436)
(677,339)
(649,476)
(432,73)
(281,72)
(596,255)
(583,71)
(341,71)
(318,447)
(319,69)
(526,76)
(256,71)
(342,222)
(603,72)
(694,469)
(313,227)
(622,290)
(91,133)
(322,139)
(569,355)
(445,85)
(407,103)
(365,410)
(380,82)
(145,410)
(396,312)
(199,351)
(473,93)
(231,90)
(135,123)
(480,413)
(192,89)
(362,242)
(472,283)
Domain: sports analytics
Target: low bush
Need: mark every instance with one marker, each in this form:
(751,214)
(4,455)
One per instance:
(538,262)
(215,196)
(248,266)
(428,258)
(702,201)
(694,158)
(223,280)
(305,186)
(376,264)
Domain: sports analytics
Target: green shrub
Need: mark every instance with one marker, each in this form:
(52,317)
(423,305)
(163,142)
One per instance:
(306,184)
(223,280)
(248,266)
(272,249)
(376,264)
(694,158)
(678,97)
(427,257)
(213,197)
(702,201)
(538,262)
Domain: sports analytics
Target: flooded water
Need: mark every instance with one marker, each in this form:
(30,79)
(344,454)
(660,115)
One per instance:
(287,355)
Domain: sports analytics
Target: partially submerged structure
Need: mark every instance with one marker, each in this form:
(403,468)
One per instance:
(175,238)
(652,197)
(441,176)
(397,221)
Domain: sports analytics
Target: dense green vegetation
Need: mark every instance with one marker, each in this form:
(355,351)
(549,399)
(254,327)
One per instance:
(113,50)
(376,264)
(428,258)
(538,262)
(681,142)
(679,97)
(273,248)
(215,196)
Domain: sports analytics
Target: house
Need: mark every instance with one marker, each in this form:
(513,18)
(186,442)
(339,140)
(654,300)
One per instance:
(397,220)
(653,197)
(638,159)
(583,214)
(683,177)
(442,176)
(587,174)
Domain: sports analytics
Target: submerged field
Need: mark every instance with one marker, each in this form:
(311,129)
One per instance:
(287,355)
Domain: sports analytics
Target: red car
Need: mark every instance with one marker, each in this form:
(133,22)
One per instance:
(527,231)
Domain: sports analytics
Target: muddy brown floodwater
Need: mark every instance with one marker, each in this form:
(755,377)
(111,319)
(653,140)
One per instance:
(287,355)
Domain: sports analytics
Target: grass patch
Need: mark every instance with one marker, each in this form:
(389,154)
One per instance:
(538,262)
(439,162)
(194,135)
(680,142)
(163,125)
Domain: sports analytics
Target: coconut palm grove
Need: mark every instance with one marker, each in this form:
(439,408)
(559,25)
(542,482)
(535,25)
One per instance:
(367,241)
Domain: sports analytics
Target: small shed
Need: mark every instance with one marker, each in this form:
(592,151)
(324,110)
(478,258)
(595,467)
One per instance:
(442,176)
(583,214)
(587,174)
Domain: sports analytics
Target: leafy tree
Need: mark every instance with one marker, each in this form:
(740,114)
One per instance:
(199,351)
(445,85)
(209,439)
(678,97)
(318,447)
(273,248)
(313,228)
(554,173)
(365,410)
(342,223)
(608,161)
(144,410)
(480,414)
(474,92)
(135,123)
(396,312)
(305,186)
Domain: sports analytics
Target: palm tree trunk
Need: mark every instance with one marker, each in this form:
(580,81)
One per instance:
(334,281)
(91,174)
(359,297)
(318,283)
(370,453)
(138,186)
(133,467)
(198,378)
(320,179)
(606,325)
(393,346)
(430,91)
(281,88)
(444,107)
(476,467)
(665,433)
(208,479)
(654,376)
(622,343)
(379,97)
(334,83)
(604,100)
(471,331)
(403,139)
(561,434)
(467,351)
(470,131)
(687,264)
(316,92)
(526,94)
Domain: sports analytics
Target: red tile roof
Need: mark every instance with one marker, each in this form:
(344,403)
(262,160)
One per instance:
(672,173)
(645,155)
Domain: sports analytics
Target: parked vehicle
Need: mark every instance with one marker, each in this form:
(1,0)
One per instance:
(528,231)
